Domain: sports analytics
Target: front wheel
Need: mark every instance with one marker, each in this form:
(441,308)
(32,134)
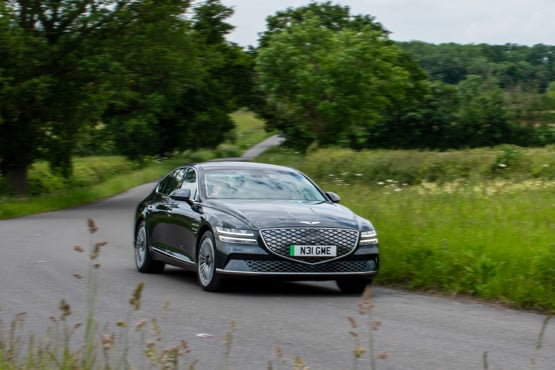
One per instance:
(353,285)
(143,259)
(208,277)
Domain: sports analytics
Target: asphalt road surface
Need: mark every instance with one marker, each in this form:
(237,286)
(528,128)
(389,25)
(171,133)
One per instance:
(306,320)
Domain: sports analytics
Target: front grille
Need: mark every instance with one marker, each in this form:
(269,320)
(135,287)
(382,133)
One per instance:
(285,266)
(278,241)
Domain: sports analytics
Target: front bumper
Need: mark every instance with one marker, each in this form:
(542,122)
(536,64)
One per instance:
(364,262)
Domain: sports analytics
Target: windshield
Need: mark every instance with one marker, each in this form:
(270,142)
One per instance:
(259,184)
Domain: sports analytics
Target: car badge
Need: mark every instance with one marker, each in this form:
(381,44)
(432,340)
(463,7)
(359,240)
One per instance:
(309,222)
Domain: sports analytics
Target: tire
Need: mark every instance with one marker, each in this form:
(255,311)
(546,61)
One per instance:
(208,277)
(353,285)
(143,259)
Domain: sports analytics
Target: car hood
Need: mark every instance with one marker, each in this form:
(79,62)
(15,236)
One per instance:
(260,215)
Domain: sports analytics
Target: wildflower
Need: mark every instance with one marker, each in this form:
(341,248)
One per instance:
(96,250)
(365,305)
(107,341)
(135,300)
(65,308)
(140,324)
(359,351)
(353,322)
(184,346)
(299,364)
(92,226)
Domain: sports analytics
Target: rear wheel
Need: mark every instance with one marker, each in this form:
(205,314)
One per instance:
(208,277)
(143,259)
(353,285)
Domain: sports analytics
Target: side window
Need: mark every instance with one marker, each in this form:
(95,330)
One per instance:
(190,182)
(171,181)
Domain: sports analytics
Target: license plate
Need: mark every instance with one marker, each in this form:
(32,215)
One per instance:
(312,250)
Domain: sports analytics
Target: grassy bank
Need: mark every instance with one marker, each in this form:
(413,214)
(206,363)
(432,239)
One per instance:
(478,223)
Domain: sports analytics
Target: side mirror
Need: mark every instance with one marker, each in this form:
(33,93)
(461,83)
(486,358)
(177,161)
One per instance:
(182,195)
(333,197)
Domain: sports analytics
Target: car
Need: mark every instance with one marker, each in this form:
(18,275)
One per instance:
(228,219)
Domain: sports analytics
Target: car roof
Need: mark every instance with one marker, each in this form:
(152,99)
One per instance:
(241,165)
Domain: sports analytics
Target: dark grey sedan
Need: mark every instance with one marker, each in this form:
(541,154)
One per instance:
(242,219)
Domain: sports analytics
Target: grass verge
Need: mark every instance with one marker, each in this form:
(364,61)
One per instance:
(472,223)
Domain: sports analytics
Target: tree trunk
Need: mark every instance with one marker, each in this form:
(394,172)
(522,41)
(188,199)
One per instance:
(16,179)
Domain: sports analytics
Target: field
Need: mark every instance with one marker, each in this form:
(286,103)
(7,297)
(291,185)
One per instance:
(478,223)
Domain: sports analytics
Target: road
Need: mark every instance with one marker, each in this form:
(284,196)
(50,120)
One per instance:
(308,320)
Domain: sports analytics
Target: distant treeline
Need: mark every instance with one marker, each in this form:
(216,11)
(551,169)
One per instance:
(481,95)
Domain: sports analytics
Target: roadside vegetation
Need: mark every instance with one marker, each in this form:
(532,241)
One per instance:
(477,222)
(99,177)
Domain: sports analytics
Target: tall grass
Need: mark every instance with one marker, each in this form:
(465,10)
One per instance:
(480,223)
(83,344)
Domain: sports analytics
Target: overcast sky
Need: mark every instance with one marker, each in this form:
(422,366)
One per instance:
(525,22)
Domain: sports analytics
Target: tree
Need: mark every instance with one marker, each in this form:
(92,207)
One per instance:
(482,119)
(228,75)
(50,83)
(158,68)
(329,84)
(155,78)
(331,16)
(185,77)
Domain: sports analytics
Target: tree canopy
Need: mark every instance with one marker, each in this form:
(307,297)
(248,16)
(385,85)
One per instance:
(328,79)
(147,75)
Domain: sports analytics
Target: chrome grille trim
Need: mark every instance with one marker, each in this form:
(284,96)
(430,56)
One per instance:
(278,241)
(289,267)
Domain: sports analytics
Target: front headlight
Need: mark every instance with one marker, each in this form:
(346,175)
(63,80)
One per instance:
(368,237)
(238,236)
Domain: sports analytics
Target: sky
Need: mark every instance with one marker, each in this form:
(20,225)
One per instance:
(494,22)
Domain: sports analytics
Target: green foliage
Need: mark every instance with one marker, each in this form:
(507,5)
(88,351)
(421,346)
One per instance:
(409,167)
(502,97)
(333,17)
(55,81)
(328,77)
(126,77)
(88,171)
(446,221)
(249,130)
(96,178)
